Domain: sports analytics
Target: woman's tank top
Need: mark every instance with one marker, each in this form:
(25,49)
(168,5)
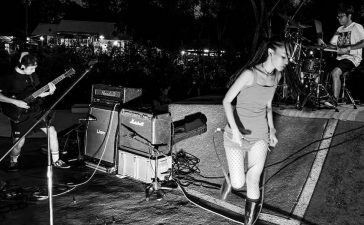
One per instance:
(251,108)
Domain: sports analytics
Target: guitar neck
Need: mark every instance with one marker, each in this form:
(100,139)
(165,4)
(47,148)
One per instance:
(43,89)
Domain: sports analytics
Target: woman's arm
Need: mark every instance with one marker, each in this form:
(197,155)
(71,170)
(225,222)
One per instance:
(245,79)
(272,130)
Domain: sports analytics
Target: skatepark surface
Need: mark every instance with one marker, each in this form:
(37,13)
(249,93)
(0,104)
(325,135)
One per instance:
(313,176)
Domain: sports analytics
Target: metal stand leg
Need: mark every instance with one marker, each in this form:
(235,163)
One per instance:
(155,187)
(313,91)
(347,92)
(76,130)
(317,92)
(49,176)
(328,96)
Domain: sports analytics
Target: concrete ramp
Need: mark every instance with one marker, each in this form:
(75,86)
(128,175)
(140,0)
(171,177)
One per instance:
(339,196)
(299,171)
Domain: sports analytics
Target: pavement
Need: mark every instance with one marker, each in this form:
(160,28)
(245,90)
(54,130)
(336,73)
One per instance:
(294,167)
(313,176)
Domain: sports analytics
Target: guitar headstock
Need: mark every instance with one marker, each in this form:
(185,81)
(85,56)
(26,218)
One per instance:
(70,72)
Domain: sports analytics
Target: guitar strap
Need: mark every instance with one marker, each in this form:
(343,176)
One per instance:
(32,81)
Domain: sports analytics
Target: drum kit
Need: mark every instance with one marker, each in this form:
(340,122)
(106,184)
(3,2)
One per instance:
(307,73)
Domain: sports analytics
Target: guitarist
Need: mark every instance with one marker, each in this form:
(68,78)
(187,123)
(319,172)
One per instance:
(22,82)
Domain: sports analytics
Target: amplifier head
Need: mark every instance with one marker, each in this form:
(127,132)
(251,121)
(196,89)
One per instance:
(106,94)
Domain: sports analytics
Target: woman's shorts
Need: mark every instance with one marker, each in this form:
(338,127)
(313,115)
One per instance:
(230,144)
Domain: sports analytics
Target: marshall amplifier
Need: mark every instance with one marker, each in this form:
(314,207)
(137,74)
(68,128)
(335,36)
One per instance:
(142,132)
(108,95)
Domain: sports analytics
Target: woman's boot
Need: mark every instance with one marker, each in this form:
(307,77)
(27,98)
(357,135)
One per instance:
(252,208)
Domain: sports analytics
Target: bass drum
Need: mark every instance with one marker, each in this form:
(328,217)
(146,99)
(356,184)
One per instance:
(312,65)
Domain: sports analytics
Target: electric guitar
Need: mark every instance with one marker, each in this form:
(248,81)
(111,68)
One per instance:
(17,114)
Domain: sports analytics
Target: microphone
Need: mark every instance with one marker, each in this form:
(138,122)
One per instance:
(89,117)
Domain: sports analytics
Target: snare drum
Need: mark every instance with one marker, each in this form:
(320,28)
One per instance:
(311,65)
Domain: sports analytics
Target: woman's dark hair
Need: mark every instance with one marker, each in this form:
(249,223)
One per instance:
(28,60)
(262,54)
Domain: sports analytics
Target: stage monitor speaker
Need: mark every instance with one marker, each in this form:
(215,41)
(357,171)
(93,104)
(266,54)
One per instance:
(140,132)
(100,137)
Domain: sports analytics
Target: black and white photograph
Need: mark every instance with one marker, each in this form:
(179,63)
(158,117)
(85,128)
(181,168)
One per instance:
(181,112)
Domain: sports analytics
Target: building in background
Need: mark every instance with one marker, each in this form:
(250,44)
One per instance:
(73,33)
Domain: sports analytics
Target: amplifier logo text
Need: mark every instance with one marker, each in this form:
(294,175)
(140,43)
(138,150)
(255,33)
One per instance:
(100,132)
(137,123)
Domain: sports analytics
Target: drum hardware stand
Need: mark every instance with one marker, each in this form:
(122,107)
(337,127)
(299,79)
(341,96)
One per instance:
(282,90)
(79,128)
(299,72)
(316,89)
(346,94)
(297,60)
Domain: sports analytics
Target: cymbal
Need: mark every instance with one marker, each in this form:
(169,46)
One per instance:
(314,46)
(293,24)
(283,16)
(305,39)
(298,25)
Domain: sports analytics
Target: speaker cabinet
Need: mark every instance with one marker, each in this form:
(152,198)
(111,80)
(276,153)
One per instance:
(140,132)
(143,168)
(100,137)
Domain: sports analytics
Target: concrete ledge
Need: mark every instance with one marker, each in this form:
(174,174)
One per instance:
(62,120)
(346,112)
(80,108)
(202,146)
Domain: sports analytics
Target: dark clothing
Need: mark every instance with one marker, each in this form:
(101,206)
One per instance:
(19,86)
(19,129)
(345,65)
(160,104)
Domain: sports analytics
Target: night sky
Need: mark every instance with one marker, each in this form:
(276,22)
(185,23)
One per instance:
(14,22)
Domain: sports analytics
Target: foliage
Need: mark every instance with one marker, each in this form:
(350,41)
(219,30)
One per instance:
(138,66)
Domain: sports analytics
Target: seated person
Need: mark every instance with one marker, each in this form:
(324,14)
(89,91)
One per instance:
(161,101)
(348,40)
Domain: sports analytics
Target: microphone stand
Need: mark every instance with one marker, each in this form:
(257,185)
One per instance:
(44,118)
(154,187)
(49,174)
(298,9)
(270,18)
(293,16)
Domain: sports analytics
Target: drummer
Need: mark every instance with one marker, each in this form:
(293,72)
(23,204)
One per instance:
(348,40)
